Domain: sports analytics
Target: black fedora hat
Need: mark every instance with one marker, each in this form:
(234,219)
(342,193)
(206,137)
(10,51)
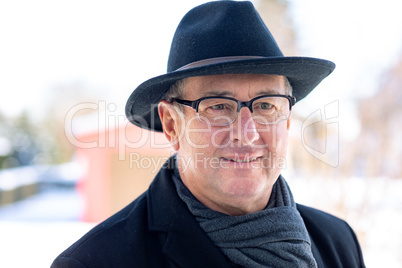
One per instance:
(223,37)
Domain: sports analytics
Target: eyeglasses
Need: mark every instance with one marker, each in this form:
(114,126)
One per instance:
(222,111)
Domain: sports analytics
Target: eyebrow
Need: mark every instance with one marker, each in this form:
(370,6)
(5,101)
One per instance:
(225,93)
(218,93)
(268,92)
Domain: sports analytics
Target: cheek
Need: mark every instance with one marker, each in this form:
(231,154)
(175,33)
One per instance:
(220,138)
(282,139)
(196,137)
(276,138)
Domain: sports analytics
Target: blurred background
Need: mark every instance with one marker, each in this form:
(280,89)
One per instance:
(69,159)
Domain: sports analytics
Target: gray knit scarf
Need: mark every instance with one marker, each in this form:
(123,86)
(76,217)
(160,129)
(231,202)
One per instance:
(273,237)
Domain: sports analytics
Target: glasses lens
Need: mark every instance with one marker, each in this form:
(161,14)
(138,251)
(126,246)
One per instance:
(271,110)
(217,111)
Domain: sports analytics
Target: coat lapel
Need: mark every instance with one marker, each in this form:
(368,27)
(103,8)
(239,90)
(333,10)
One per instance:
(190,247)
(186,243)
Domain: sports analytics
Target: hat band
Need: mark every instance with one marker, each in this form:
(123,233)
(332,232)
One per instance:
(216,60)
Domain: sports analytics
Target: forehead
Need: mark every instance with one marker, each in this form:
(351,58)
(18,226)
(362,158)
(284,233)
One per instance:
(234,85)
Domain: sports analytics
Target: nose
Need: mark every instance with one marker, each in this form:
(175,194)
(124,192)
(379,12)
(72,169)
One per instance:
(244,130)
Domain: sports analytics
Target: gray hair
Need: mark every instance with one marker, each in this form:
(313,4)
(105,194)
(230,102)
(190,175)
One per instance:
(288,87)
(176,90)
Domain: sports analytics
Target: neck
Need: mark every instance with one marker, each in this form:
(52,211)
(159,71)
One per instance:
(236,206)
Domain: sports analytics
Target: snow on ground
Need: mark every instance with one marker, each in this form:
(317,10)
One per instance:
(34,231)
(36,244)
(373,207)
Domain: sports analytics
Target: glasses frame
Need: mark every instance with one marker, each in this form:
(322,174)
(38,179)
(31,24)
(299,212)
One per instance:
(240,104)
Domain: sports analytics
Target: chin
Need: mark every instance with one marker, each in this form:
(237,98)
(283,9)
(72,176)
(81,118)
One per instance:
(246,187)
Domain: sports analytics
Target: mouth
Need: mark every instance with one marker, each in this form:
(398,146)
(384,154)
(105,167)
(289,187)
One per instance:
(240,160)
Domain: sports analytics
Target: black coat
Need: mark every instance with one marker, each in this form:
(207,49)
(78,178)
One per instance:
(157,230)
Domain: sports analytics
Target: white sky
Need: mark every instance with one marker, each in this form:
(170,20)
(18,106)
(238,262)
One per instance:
(117,45)
(363,38)
(108,44)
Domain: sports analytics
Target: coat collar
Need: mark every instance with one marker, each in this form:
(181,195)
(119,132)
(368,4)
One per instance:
(186,243)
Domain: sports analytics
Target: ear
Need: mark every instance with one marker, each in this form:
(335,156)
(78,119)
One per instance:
(170,123)
(288,121)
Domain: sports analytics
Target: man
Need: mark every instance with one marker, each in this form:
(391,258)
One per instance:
(225,106)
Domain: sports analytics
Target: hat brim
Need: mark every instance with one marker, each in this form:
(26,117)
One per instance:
(303,73)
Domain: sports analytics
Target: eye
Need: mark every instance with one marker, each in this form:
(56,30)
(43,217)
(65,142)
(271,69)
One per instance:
(265,105)
(219,106)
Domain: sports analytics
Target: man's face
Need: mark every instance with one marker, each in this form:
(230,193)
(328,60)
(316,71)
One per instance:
(231,168)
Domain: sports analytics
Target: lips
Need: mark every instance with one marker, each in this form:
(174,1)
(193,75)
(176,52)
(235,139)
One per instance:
(238,159)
